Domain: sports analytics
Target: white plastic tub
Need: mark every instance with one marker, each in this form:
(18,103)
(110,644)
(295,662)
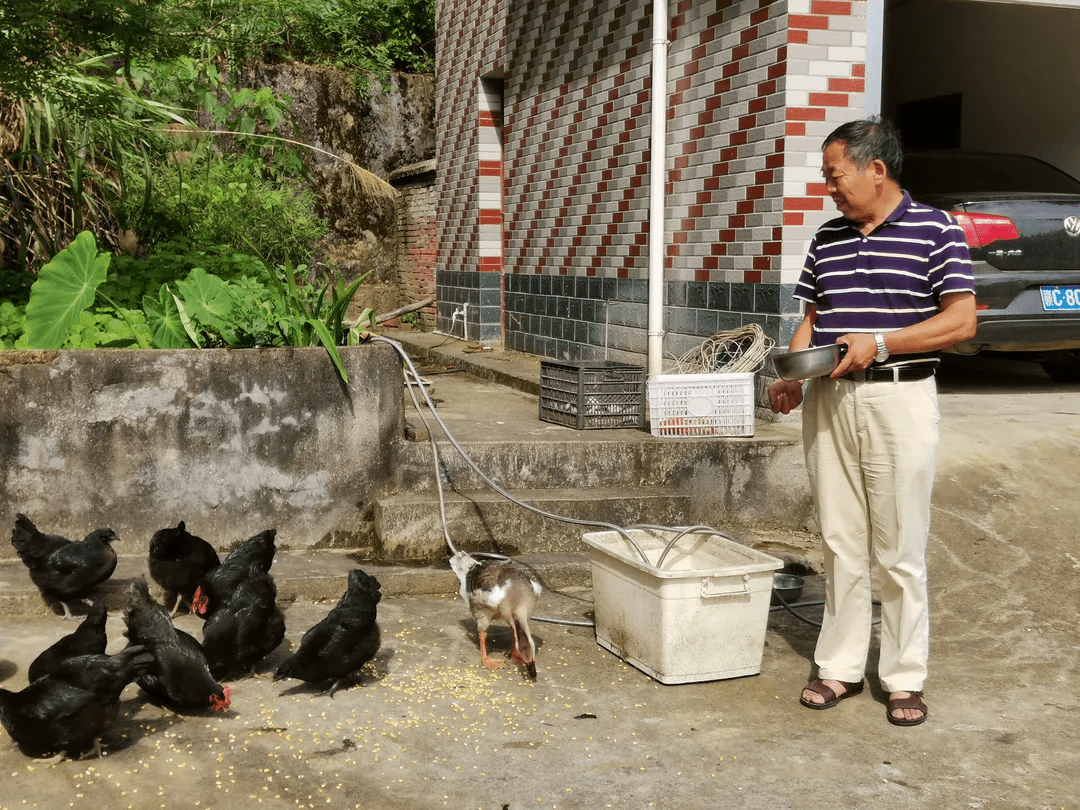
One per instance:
(700,616)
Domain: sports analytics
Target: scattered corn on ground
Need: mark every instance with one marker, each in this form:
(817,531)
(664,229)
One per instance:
(429,727)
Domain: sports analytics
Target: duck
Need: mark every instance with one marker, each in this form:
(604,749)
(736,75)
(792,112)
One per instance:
(496,588)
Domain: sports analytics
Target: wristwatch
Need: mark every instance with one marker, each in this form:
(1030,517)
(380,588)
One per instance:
(882,352)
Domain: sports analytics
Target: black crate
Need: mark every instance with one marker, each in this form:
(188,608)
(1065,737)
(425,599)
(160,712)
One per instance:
(592,394)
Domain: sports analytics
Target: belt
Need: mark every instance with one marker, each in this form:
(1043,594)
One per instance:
(891,373)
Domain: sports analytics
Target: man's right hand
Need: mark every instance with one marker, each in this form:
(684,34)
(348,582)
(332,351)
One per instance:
(785,396)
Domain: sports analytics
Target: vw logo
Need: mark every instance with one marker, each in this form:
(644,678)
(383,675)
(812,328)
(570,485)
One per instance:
(1072,226)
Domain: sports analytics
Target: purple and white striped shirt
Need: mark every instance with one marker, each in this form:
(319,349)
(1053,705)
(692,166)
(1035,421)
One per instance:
(890,279)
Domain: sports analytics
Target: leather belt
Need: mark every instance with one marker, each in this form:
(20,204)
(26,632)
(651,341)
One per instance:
(891,373)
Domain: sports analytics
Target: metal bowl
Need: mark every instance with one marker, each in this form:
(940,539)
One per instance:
(816,362)
(786,587)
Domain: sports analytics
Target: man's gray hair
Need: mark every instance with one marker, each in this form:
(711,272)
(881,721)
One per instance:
(870,139)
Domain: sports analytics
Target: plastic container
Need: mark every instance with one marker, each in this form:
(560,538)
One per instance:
(696,405)
(592,394)
(700,616)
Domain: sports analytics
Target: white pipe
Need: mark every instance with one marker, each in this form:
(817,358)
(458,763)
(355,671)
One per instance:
(875,35)
(657,153)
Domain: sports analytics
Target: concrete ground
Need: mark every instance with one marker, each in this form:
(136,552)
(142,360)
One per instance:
(429,727)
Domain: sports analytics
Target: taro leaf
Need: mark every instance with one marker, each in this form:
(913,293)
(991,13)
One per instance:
(206,300)
(64,288)
(166,329)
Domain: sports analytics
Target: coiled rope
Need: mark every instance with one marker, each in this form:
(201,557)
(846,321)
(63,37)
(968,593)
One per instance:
(735,350)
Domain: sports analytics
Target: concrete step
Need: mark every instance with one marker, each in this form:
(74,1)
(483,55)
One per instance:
(305,576)
(409,524)
(321,576)
(524,464)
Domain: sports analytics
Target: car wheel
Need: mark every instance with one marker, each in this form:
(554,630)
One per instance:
(1063,366)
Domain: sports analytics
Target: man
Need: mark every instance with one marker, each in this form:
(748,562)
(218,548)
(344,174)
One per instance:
(891,280)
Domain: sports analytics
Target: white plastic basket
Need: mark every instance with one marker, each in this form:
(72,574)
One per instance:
(696,405)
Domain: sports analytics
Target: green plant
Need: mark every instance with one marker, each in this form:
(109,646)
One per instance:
(273,309)
(64,289)
(212,199)
(67,163)
(308,316)
(12,320)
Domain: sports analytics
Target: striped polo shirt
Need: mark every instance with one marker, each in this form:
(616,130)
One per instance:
(890,279)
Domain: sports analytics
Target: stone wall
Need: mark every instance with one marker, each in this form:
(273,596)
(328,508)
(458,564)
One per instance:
(381,130)
(230,441)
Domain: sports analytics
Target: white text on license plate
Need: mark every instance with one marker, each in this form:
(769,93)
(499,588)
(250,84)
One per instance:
(1060,298)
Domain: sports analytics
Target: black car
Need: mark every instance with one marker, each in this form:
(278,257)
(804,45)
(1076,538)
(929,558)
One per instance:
(1021,217)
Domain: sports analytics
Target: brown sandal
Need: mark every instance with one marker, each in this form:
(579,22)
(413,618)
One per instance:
(912,701)
(818,687)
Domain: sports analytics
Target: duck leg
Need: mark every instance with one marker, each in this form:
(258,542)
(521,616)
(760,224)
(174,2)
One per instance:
(490,663)
(520,629)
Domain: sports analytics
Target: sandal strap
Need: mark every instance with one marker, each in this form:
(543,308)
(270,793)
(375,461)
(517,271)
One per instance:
(819,687)
(912,701)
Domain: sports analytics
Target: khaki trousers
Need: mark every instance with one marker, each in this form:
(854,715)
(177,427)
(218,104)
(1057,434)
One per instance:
(871,451)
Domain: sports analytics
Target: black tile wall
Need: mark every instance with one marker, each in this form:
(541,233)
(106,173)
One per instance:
(578,317)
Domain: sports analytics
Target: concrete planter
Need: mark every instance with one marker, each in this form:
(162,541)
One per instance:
(232,441)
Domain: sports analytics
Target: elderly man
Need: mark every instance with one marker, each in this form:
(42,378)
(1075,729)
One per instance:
(891,280)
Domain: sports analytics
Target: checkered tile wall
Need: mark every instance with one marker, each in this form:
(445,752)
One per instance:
(543,132)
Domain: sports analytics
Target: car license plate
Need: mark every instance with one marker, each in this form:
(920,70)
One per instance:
(1061,298)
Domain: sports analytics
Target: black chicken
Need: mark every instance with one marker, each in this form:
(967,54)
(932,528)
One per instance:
(89,638)
(218,585)
(245,629)
(336,648)
(67,710)
(64,569)
(180,677)
(178,560)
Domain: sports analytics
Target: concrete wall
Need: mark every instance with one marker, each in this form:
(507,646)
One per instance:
(230,441)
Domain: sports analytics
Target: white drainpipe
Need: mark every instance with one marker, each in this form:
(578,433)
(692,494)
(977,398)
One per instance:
(657,151)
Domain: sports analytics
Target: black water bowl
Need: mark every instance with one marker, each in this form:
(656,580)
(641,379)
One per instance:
(786,588)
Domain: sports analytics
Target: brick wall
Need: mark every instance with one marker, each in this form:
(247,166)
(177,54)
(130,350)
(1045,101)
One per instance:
(754,87)
(418,226)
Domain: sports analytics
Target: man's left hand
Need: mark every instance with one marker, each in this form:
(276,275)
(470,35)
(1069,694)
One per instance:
(860,354)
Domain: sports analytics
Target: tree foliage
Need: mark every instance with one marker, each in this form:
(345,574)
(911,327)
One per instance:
(109,117)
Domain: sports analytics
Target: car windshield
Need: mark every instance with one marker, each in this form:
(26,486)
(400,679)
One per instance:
(929,172)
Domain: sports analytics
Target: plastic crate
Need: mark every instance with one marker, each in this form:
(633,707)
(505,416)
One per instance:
(696,405)
(700,615)
(592,394)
